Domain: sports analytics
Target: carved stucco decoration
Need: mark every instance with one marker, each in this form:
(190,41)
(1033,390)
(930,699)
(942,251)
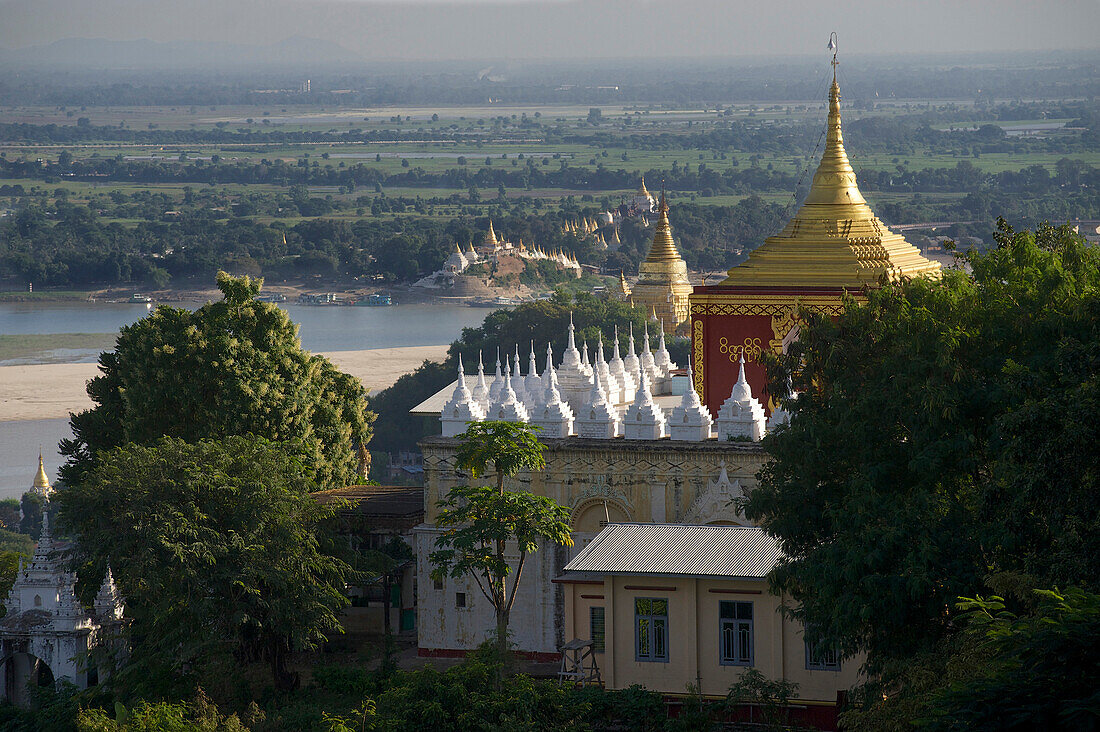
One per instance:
(718,503)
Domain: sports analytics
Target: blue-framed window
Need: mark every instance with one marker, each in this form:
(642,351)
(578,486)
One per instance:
(651,629)
(821,658)
(735,639)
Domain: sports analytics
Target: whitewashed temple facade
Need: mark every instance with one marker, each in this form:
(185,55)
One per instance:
(46,631)
(627,440)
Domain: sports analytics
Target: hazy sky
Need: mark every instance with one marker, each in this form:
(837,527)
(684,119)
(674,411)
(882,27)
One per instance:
(541,29)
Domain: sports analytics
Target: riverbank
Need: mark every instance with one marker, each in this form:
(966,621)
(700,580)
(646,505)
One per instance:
(51,391)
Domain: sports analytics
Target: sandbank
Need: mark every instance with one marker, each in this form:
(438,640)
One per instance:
(51,391)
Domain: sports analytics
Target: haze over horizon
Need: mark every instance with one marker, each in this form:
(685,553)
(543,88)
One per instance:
(436,30)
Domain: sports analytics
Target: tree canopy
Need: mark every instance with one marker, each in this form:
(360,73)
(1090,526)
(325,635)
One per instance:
(481,522)
(216,547)
(232,367)
(943,440)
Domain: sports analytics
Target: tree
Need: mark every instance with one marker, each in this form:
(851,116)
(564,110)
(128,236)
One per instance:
(1036,673)
(232,367)
(942,441)
(480,522)
(216,547)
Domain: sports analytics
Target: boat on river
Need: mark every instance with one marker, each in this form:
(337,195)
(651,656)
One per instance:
(377,300)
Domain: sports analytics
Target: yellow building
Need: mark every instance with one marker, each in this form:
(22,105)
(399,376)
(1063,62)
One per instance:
(663,284)
(599,481)
(667,606)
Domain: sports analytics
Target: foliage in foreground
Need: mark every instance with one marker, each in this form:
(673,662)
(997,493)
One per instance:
(945,437)
(481,522)
(218,550)
(232,367)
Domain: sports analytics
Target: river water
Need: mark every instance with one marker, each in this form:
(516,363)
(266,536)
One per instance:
(321,329)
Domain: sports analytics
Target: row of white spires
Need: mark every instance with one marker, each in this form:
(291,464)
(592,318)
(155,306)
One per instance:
(603,398)
(460,260)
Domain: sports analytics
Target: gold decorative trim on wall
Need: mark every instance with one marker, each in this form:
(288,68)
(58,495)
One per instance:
(697,355)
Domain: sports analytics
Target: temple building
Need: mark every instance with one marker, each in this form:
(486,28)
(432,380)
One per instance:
(834,245)
(627,440)
(642,201)
(663,285)
(45,630)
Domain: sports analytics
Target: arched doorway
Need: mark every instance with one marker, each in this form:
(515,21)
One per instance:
(21,671)
(591,516)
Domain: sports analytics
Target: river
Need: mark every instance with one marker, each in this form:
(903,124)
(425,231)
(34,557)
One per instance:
(338,328)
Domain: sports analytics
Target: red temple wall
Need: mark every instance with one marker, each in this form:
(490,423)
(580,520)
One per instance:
(729,321)
(725,338)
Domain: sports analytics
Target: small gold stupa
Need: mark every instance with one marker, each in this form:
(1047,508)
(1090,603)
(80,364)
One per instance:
(663,284)
(41,484)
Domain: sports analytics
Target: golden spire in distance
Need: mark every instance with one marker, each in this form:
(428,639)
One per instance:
(663,248)
(41,481)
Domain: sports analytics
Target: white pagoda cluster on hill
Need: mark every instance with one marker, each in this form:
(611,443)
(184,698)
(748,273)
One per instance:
(491,248)
(635,397)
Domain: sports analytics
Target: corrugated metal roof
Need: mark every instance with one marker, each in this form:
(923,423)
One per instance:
(679,549)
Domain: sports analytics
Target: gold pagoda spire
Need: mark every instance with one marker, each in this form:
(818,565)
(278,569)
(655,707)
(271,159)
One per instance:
(835,239)
(41,481)
(662,277)
(663,248)
(642,190)
(834,182)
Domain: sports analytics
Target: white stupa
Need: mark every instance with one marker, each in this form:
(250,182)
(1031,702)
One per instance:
(690,421)
(481,388)
(741,416)
(509,408)
(497,386)
(603,371)
(662,359)
(549,366)
(644,420)
(631,362)
(575,383)
(533,383)
(461,409)
(623,380)
(517,380)
(598,417)
(649,366)
(553,415)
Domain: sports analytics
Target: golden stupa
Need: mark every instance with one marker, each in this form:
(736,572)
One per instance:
(834,246)
(835,239)
(41,481)
(663,283)
(490,241)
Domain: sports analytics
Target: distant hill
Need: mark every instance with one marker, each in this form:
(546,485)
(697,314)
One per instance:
(143,54)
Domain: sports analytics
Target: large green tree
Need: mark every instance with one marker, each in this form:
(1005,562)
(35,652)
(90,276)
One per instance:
(232,367)
(216,547)
(944,438)
(482,522)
